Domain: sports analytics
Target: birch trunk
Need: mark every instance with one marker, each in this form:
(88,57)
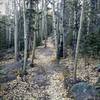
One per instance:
(34,46)
(54,31)
(25,37)
(88,27)
(7,35)
(62,29)
(75,31)
(45,15)
(40,31)
(42,34)
(54,24)
(16,31)
(98,4)
(34,41)
(78,42)
(10,36)
(58,37)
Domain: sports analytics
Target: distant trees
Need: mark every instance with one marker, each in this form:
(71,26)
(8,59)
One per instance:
(90,20)
(91,33)
(86,44)
(7,27)
(3,24)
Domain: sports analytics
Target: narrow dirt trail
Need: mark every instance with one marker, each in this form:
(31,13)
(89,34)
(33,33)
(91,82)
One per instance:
(44,82)
(55,89)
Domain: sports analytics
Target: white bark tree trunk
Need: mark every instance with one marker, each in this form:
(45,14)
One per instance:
(10,35)
(54,24)
(54,30)
(58,35)
(34,46)
(78,42)
(89,21)
(98,4)
(75,31)
(34,40)
(16,31)
(45,22)
(25,37)
(42,34)
(62,29)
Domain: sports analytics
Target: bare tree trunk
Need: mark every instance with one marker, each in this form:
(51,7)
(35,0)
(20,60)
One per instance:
(7,27)
(40,31)
(34,41)
(7,35)
(25,37)
(34,46)
(98,4)
(42,34)
(58,36)
(16,31)
(55,31)
(88,27)
(29,26)
(10,35)
(64,44)
(54,24)
(45,15)
(75,31)
(78,42)
(38,22)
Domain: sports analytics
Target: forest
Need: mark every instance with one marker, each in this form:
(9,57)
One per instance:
(49,49)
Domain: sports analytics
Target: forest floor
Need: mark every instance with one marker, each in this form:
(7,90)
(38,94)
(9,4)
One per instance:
(46,80)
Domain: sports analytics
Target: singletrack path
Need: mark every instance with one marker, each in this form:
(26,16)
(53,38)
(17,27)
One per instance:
(44,82)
